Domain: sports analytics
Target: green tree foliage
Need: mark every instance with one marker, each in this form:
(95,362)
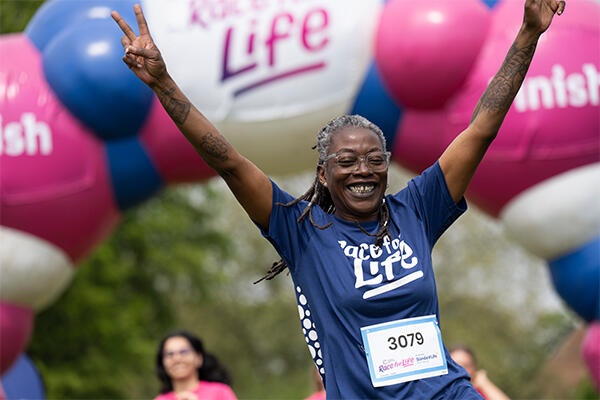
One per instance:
(15,14)
(512,354)
(172,264)
(101,335)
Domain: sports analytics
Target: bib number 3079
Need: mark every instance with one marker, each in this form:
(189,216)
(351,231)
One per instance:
(407,340)
(404,350)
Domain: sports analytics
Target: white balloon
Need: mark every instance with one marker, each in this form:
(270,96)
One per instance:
(558,215)
(271,72)
(33,272)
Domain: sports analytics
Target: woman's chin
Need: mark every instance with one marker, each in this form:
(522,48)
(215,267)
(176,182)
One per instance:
(180,375)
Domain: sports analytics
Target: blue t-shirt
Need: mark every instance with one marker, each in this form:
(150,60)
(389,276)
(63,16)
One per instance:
(344,282)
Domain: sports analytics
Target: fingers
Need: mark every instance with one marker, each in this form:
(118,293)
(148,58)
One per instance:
(125,42)
(561,7)
(131,61)
(123,25)
(557,6)
(141,20)
(138,51)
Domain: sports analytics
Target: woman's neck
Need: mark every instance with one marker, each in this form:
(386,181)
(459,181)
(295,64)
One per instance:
(185,385)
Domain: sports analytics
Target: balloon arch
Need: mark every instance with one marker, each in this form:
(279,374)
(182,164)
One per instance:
(81,139)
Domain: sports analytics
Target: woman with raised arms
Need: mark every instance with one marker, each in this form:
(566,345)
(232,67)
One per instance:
(360,260)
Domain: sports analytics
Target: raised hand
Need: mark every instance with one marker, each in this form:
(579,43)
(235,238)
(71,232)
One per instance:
(539,13)
(249,184)
(461,158)
(141,54)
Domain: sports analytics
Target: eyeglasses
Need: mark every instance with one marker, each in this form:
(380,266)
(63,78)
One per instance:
(377,161)
(183,353)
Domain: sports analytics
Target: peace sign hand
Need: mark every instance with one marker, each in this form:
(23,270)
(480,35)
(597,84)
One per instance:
(141,54)
(539,13)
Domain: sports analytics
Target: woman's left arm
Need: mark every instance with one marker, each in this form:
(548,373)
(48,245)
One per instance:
(460,160)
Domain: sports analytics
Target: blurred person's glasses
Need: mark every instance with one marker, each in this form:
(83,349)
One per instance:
(182,353)
(377,161)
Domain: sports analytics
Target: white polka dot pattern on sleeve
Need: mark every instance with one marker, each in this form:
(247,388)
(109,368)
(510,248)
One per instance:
(309,331)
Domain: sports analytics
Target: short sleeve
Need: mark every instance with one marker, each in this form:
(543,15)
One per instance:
(431,198)
(285,233)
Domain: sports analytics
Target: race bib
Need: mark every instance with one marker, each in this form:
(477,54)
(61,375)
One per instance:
(404,350)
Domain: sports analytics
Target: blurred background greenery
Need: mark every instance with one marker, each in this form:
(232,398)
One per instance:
(187,259)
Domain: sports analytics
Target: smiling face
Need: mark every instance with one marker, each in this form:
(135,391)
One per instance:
(180,360)
(356,192)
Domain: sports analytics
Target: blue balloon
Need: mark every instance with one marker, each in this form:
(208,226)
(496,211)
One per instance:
(56,15)
(373,103)
(83,66)
(23,381)
(491,3)
(576,277)
(133,174)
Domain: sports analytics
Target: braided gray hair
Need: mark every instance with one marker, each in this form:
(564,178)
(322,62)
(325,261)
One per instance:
(319,194)
(344,121)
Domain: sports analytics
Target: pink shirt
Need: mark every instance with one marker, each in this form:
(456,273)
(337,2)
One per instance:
(316,396)
(205,391)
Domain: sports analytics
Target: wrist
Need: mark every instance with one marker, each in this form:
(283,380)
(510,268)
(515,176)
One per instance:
(528,34)
(162,83)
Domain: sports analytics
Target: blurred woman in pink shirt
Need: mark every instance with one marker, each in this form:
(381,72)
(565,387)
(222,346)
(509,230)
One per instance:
(187,372)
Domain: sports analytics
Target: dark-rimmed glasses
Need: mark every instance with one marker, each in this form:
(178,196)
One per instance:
(377,161)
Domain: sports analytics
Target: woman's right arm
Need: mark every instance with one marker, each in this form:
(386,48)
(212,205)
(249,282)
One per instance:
(248,183)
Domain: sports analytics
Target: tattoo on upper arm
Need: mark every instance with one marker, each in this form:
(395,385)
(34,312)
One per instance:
(503,88)
(177,109)
(214,146)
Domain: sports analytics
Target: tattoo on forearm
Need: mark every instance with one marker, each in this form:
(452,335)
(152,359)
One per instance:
(177,109)
(504,87)
(214,146)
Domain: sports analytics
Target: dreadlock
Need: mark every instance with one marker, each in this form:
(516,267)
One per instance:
(318,194)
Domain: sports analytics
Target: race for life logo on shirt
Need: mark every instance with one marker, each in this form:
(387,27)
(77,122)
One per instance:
(382,261)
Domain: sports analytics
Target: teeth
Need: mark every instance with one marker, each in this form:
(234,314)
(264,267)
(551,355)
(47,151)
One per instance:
(362,188)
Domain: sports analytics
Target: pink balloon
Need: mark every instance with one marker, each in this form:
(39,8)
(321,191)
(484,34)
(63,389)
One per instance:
(174,157)
(54,175)
(552,126)
(426,49)
(591,351)
(420,139)
(16,325)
